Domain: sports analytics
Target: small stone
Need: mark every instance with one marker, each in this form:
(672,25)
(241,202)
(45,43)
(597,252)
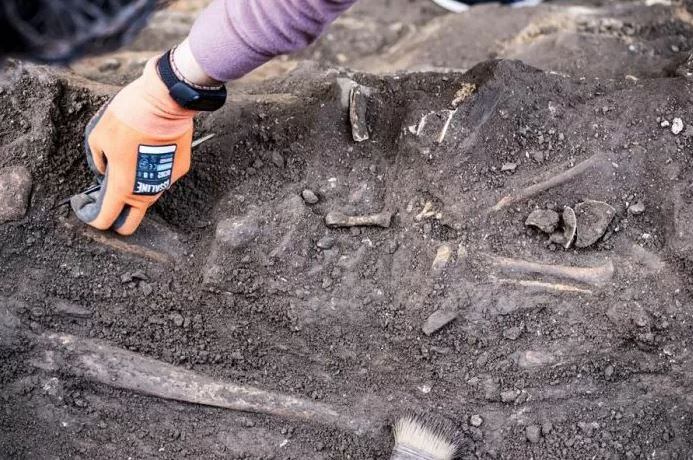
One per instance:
(326,242)
(438,320)
(147,288)
(508,396)
(476,420)
(593,218)
(177,319)
(277,159)
(677,126)
(126,277)
(139,275)
(15,188)
(665,124)
(533,433)
(546,428)
(509,167)
(588,428)
(637,208)
(545,220)
(65,308)
(609,371)
(513,333)
(237,233)
(309,196)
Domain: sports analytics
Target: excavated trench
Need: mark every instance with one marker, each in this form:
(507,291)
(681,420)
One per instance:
(448,304)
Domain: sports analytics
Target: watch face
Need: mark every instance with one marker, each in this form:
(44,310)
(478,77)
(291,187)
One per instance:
(194,99)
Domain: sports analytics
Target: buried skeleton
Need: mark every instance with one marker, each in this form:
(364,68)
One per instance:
(420,296)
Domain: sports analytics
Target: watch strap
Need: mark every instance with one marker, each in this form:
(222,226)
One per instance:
(187,95)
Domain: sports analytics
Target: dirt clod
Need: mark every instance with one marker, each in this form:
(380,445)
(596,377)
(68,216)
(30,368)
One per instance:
(545,220)
(533,433)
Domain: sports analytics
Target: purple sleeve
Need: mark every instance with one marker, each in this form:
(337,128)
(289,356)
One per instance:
(233,37)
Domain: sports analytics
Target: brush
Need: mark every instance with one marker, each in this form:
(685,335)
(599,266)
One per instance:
(424,437)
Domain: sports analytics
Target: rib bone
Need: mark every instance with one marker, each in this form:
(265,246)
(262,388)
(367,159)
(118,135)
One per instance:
(555,181)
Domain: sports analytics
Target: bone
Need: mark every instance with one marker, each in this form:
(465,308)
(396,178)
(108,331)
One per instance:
(555,181)
(558,287)
(442,259)
(102,363)
(358,106)
(595,276)
(339,219)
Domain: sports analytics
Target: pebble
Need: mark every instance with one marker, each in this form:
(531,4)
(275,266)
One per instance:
(677,126)
(277,159)
(545,220)
(546,428)
(438,320)
(513,333)
(476,420)
(177,319)
(15,188)
(593,218)
(147,288)
(326,242)
(533,433)
(65,308)
(637,208)
(309,196)
(588,428)
(508,396)
(509,167)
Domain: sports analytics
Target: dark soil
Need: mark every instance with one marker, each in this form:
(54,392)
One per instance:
(606,371)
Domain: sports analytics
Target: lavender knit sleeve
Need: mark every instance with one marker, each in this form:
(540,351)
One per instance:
(233,37)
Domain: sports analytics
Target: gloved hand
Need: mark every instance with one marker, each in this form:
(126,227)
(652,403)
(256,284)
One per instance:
(138,144)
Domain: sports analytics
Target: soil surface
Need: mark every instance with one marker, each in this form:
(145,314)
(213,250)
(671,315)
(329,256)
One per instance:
(453,306)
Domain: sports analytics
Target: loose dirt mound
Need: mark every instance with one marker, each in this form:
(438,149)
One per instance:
(452,305)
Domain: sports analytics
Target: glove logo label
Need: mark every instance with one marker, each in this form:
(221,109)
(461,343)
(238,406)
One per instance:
(154,169)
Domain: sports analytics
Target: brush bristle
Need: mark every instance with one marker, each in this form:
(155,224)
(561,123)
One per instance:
(425,438)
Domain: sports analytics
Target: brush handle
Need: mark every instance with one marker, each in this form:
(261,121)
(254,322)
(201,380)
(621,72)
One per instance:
(401,452)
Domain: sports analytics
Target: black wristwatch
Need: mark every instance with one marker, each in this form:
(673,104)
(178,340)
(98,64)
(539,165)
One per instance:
(186,95)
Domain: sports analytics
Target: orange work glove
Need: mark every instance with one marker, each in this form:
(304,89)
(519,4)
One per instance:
(138,144)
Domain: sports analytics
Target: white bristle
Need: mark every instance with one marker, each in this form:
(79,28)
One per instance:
(415,439)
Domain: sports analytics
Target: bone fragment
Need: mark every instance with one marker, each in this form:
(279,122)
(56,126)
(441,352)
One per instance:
(555,181)
(595,276)
(197,142)
(119,368)
(339,219)
(558,287)
(358,106)
(442,259)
